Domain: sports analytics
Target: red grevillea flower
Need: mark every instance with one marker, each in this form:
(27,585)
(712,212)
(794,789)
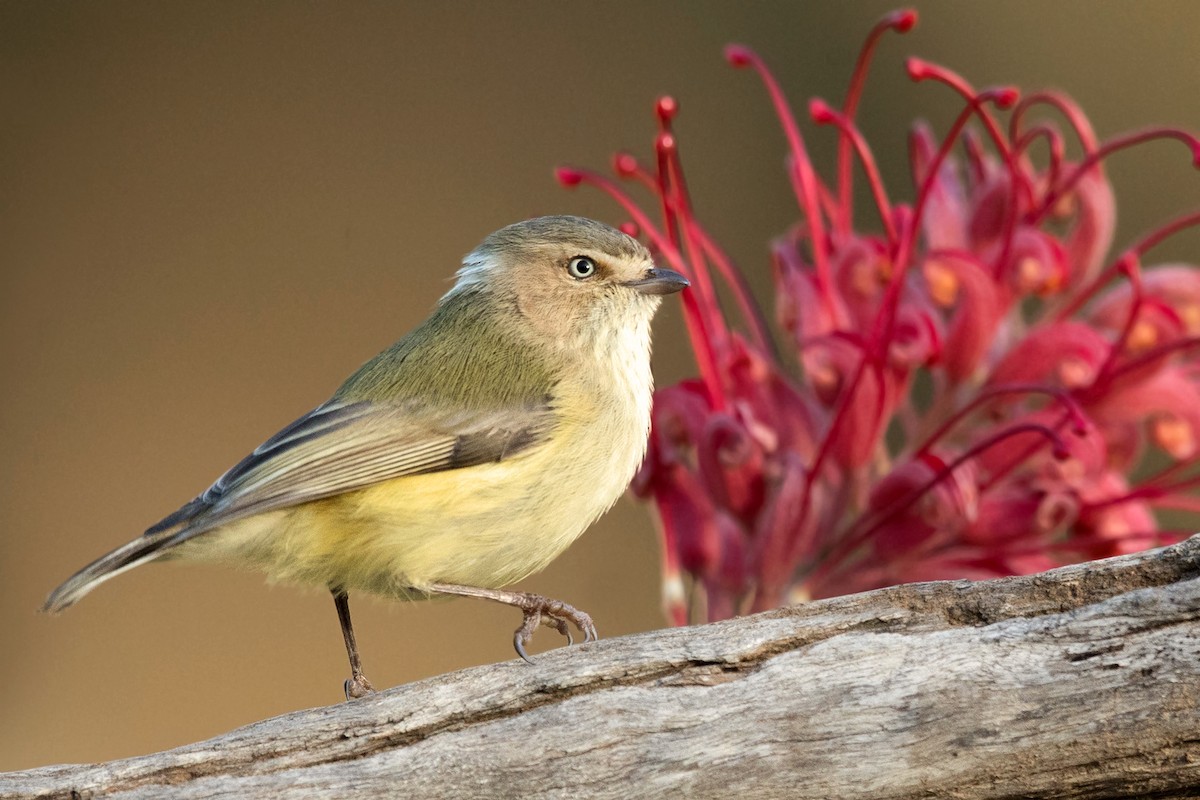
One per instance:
(964,393)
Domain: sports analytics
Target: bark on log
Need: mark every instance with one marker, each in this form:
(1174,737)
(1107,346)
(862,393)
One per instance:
(1083,682)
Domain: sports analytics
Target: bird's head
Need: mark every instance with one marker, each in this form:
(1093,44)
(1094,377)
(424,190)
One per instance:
(573,279)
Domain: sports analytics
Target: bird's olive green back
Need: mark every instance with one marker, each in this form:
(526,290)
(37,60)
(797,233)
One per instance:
(464,356)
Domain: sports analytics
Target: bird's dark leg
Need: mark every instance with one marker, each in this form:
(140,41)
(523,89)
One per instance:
(538,610)
(357,685)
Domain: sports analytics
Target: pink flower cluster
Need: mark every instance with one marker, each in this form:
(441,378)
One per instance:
(965,393)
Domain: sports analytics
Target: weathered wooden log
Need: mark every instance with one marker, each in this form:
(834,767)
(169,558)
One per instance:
(1083,682)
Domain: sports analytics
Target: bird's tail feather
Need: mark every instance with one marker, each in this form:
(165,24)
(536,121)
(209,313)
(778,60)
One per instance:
(139,551)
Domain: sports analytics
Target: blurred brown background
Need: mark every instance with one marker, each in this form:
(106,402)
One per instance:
(211,213)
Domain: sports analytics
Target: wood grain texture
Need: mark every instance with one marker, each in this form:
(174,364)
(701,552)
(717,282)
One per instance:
(1083,682)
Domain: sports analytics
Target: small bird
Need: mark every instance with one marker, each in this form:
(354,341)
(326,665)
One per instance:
(465,457)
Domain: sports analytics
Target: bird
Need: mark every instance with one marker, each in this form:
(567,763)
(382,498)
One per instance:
(460,460)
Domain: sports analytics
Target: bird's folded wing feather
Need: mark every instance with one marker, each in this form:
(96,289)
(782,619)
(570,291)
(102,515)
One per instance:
(340,447)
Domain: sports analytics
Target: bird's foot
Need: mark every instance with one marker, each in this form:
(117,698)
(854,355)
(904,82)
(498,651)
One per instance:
(539,610)
(358,686)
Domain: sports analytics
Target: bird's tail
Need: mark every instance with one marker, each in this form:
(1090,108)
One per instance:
(139,551)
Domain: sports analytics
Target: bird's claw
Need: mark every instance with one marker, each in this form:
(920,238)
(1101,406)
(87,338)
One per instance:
(358,686)
(539,610)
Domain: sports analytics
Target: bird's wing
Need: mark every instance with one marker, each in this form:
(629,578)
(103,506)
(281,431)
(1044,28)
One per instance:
(340,447)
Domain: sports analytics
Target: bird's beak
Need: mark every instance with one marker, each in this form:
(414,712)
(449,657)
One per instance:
(659,281)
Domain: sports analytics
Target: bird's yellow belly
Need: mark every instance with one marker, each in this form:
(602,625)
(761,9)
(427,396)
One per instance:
(487,525)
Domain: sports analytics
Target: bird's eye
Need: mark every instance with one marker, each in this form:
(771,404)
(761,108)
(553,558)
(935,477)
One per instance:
(581,268)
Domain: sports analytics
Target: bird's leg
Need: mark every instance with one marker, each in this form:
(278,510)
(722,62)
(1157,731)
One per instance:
(357,685)
(538,610)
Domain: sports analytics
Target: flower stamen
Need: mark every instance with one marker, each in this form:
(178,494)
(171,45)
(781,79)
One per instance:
(901,21)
